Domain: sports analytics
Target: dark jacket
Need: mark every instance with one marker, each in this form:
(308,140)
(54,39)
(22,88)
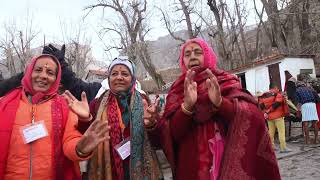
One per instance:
(290,89)
(69,81)
(9,84)
(76,85)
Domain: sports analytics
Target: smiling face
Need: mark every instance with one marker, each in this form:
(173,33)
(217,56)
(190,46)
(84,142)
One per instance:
(44,74)
(120,78)
(193,56)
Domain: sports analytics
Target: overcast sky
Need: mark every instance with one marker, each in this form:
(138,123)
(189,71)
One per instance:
(49,16)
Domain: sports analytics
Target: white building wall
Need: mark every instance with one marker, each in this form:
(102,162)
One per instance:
(293,65)
(250,80)
(262,79)
(257,78)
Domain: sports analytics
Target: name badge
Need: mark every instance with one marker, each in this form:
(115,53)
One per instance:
(123,148)
(33,132)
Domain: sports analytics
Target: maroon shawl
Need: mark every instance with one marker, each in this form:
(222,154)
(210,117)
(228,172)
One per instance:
(248,152)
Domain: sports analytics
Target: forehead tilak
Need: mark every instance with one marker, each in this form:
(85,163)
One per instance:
(120,67)
(192,46)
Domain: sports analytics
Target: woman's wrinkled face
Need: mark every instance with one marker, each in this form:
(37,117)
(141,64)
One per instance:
(193,56)
(44,74)
(120,78)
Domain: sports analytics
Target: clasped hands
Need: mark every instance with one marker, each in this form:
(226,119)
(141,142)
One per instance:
(191,94)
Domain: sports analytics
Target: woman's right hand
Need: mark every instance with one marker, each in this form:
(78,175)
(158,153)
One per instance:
(96,133)
(81,108)
(190,91)
(150,113)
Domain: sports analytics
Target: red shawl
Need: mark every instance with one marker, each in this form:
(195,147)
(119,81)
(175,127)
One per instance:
(248,152)
(63,168)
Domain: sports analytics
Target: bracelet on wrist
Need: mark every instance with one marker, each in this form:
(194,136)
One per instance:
(86,119)
(81,154)
(152,127)
(184,110)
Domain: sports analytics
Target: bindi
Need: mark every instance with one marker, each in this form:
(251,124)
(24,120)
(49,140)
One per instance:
(46,66)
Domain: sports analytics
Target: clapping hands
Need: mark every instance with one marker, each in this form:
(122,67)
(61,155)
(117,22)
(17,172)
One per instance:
(191,94)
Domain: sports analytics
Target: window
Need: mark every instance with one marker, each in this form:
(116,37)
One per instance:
(306,71)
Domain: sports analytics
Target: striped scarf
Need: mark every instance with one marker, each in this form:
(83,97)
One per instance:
(106,163)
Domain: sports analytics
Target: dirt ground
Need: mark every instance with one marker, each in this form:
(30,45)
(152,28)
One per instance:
(301,163)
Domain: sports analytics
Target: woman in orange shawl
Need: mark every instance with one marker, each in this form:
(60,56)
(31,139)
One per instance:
(211,127)
(38,133)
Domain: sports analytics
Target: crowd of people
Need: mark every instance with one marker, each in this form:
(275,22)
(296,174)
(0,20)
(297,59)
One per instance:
(210,128)
(298,99)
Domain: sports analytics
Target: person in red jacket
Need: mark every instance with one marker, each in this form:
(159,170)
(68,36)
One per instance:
(271,103)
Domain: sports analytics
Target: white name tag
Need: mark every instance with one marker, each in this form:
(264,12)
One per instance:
(123,149)
(32,132)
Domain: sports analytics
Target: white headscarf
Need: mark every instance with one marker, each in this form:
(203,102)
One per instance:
(124,60)
(105,86)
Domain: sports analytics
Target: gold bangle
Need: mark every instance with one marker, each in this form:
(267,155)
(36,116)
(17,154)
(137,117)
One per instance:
(81,154)
(184,110)
(86,119)
(152,127)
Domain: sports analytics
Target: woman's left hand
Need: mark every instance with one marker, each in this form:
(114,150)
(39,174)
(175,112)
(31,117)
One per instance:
(151,113)
(81,108)
(213,89)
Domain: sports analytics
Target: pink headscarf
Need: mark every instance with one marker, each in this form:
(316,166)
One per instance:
(210,58)
(27,83)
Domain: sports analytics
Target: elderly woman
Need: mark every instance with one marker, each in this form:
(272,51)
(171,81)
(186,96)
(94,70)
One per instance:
(38,132)
(128,153)
(211,128)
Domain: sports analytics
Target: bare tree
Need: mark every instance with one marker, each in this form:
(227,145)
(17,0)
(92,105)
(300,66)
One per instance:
(7,57)
(132,16)
(279,39)
(186,13)
(79,57)
(241,16)
(218,11)
(16,46)
(304,24)
(234,42)
(78,47)
(261,26)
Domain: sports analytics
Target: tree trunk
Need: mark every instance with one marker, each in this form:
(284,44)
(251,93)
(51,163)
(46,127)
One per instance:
(139,50)
(241,31)
(305,28)
(276,27)
(222,48)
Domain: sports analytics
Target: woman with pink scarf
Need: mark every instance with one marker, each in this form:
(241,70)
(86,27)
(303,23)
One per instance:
(211,127)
